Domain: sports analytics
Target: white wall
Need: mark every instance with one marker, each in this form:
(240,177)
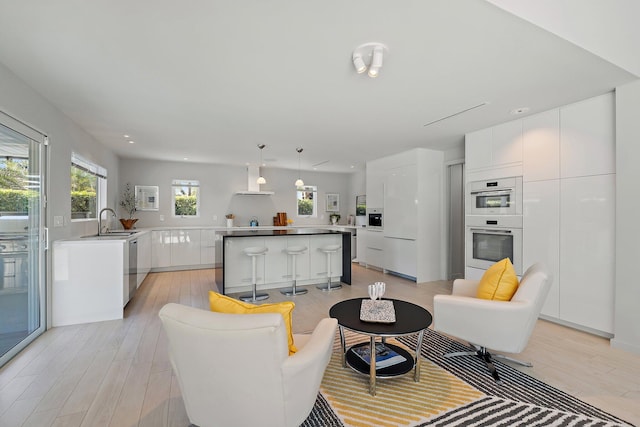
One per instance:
(627,296)
(218,183)
(24,104)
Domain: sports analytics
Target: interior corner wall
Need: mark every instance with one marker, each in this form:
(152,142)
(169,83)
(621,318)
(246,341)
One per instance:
(627,295)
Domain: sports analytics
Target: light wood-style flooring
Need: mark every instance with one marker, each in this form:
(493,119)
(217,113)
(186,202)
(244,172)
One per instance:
(117,373)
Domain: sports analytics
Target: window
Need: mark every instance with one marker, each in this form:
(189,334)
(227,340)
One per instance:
(307,201)
(88,188)
(186,198)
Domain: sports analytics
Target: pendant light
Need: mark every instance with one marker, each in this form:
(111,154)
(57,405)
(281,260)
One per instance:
(299,182)
(261,179)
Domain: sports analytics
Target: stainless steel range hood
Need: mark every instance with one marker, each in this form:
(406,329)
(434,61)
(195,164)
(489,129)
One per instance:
(253,188)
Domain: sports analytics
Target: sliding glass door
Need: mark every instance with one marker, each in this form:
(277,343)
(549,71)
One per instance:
(22,236)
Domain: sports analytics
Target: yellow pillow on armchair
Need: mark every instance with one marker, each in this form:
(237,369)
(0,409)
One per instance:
(224,304)
(499,282)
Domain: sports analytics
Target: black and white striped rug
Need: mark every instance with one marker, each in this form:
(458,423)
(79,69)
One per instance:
(452,392)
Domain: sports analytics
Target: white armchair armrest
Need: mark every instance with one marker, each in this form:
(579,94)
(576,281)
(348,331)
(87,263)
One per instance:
(464,287)
(497,325)
(303,371)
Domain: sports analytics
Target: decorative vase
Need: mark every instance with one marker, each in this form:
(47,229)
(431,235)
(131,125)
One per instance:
(229,222)
(127,224)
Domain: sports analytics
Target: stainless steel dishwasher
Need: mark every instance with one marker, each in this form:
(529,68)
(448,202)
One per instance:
(133,267)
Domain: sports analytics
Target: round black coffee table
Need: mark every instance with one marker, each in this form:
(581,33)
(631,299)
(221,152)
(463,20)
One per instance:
(410,319)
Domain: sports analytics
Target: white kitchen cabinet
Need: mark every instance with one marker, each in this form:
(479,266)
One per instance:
(587,137)
(160,248)
(275,260)
(208,247)
(375,248)
(506,144)
(361,243)
(478,149)
(541,146)
(401,202)
(144,257)
(541,234)
(318,259)
(400,256)
(375,185)
(90,281)
(494,152)
(238,267)
(185,247)
(587,251)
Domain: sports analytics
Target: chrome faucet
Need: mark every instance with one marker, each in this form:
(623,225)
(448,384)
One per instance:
(100,219)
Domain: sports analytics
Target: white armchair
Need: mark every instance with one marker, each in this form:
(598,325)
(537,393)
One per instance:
(498,325)
(235,369)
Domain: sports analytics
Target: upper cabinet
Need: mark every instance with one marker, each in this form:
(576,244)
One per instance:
(375,184)
(494,152)
(541,146)
(587,137)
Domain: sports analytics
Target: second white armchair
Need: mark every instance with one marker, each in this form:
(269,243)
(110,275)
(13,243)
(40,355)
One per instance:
(503,326)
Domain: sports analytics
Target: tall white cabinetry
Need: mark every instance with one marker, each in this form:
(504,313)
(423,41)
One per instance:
(410,185)
(568,168)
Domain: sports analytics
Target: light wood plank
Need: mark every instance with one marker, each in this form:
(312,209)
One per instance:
(118,373)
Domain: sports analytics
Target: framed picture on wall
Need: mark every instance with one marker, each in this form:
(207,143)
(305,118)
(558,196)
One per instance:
(147,198)
(333,202)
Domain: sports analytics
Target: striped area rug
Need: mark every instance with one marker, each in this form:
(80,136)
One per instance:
(451,392)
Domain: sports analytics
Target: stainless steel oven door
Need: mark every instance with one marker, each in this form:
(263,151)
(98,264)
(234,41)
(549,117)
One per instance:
(486,245)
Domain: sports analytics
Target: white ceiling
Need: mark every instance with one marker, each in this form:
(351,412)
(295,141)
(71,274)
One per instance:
(211,79)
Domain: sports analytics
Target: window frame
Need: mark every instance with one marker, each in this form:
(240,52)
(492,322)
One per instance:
(191,183)
(100,173)
(307,189)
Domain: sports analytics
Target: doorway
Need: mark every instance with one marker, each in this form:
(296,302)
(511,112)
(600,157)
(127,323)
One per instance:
(22,236)
(455,207)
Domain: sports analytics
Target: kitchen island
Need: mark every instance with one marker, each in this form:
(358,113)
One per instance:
(274,269)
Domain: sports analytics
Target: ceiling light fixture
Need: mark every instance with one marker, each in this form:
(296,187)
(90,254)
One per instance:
(261,179)
(299,182)
(376,62)
(370,53)
(361,67)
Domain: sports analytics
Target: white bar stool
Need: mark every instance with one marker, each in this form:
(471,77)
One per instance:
(294,251)
(254,252)
(329,249)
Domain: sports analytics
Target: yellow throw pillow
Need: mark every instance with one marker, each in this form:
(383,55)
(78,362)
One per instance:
(224,304)
(499,282)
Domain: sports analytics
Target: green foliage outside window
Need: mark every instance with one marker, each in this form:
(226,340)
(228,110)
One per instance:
(15,202)
(14,196)
(84,196)
(305,207)
(186,205)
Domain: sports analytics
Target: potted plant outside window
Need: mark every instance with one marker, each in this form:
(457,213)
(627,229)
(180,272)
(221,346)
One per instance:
(128,203)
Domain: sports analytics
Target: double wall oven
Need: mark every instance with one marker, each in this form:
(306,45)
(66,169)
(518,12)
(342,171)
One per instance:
(494,223)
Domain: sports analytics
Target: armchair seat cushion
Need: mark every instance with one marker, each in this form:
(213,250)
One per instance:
(499,282)
(224,304)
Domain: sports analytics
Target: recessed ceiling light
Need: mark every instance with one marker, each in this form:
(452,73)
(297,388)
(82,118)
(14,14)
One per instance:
(185,158)
(520,110)
(126,136)
(131,142)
